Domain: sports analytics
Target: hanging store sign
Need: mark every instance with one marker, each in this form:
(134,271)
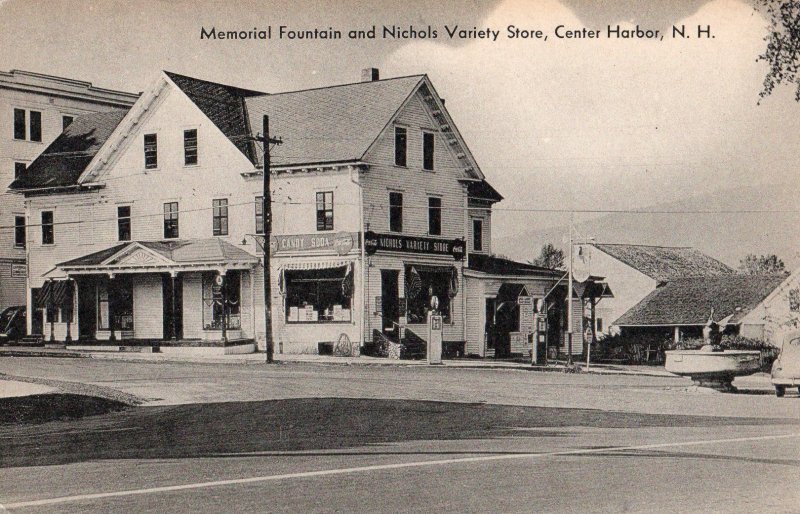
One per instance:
(341,243)
(374,242)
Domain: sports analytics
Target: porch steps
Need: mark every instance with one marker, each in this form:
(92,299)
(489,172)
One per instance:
(32,341)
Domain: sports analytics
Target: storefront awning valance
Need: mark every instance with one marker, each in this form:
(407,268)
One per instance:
(57,293)
(311,265)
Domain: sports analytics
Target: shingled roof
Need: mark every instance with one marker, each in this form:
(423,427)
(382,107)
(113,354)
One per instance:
(224,106)
(663,263)
(500,266)
(178,251)
(63,161)
(483,192)
(330,124)
(690,301)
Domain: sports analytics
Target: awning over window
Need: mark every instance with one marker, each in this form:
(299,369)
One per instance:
(311,265)
(57,293)
(509,292)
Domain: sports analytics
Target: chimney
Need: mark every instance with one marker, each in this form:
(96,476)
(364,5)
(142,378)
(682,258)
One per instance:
(369,74)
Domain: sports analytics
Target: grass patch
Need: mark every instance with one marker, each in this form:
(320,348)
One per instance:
(41,408)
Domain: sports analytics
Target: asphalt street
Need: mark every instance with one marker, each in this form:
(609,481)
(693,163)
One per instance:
(306,438)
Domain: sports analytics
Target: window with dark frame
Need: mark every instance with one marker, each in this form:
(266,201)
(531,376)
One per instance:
(325,210)
(318,296)
(434,216)
(220,216)
(259,214)
(66,121)
(400,146)
(190,147)
(48,236)
(36,126)
(171,220)
(150,151)
(477,235)
(427,151)
(395,212)
(19,231)
(19,169)
(19,124)
(124,222)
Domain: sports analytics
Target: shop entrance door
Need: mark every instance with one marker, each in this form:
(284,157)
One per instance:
(390,301)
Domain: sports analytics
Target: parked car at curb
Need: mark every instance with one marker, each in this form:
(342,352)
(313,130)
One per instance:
(12,324)
(786,368)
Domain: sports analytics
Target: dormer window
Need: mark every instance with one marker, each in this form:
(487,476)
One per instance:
(150,151)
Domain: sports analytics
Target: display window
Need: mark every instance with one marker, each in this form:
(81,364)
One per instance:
(318,295)
(422,284)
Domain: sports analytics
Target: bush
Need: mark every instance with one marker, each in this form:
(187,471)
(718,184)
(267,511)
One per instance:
(629,349)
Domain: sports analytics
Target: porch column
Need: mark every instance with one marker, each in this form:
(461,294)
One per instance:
(73,304)
(677,334)
(174,278)
(110,288)
(50,311)
(224,306)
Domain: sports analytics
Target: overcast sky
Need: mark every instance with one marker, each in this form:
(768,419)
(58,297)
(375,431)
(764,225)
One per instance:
(600,123)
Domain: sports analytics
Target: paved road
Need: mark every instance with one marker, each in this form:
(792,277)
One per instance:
(302,438)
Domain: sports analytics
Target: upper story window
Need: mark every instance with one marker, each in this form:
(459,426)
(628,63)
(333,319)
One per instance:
(190,147)
(400,146)
(19,231)
(259,214)
(325,211)
(427,150)
(19,169)
(150,151)
(66,121)
(170,220)
(220,216)
(434,216)
(124,222)
(395,212)
(477,235)
(48,236)
(32,131)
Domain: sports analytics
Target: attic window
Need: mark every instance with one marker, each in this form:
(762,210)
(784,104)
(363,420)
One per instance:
(427,151)
(150,151)
(190,147)
(400,146)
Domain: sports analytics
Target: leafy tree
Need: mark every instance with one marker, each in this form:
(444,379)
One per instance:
(783,44)
(761,264)
(549,257)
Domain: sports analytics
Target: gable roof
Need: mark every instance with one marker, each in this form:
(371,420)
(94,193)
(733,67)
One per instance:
(330,124)
(664,263)
(224,106)
(180,251)
(689,301)
(63,161)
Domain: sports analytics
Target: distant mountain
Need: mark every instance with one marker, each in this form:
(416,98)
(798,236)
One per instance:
(727,237)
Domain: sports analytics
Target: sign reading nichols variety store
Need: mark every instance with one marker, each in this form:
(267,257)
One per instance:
(341,243)
(374,242)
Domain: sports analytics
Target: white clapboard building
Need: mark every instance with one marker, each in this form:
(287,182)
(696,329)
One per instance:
(145,223)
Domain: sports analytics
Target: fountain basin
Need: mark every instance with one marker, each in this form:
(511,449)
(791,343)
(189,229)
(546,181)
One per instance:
(713,369)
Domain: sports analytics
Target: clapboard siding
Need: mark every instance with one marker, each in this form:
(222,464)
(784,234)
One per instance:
(415,183)
(192,305)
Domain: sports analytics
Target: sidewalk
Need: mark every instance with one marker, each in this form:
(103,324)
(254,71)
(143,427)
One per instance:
(325,360)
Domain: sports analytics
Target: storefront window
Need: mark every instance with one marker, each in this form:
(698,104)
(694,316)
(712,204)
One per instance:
(222,301)
(319,295)
(424,282)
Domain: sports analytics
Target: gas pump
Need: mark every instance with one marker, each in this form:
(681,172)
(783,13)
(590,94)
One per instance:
(434,333)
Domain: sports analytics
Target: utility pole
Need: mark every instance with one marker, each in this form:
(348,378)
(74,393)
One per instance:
(267,210)
(569,295)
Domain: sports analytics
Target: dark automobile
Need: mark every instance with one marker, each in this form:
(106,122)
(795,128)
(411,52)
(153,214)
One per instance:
(12,324)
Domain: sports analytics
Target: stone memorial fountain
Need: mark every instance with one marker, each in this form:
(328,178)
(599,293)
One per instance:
(711,366)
